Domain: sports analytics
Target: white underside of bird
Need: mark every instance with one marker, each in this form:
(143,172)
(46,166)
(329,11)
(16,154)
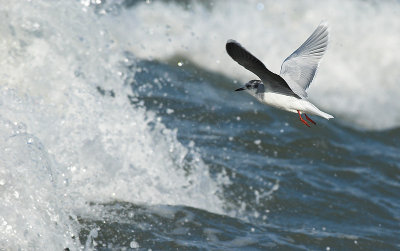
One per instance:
(286,91)
(291,104)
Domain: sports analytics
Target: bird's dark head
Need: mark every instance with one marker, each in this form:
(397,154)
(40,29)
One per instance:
(253,86)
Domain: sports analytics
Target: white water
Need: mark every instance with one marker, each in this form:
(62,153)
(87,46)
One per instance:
(358,80)
(63,144)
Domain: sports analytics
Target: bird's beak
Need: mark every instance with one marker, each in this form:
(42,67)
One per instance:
(240,89)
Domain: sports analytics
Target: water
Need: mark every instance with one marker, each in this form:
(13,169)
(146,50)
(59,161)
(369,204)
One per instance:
(120,129)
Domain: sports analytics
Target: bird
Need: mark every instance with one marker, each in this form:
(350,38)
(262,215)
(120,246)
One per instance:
(286,91)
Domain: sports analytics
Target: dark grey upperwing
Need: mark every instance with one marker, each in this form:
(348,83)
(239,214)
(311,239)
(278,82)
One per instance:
(272,81)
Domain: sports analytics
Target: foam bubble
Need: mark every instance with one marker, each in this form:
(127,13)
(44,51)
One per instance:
(31,212)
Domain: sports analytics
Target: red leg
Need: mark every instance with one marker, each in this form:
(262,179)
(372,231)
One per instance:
(312,121)
(302,120)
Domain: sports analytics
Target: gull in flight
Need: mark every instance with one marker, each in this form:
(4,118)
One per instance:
(286,91)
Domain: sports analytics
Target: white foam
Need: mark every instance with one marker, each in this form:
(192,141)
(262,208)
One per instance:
(31,216)
(66,144)
(357,81)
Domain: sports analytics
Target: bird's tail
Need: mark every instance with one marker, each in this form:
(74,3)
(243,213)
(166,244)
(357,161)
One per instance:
(312,109)
(325,115)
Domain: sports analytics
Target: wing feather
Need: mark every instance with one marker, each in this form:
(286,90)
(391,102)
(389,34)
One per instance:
(272,81)
(300,67)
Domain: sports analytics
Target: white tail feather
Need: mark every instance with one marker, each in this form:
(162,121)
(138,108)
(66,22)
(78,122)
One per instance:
(325,115)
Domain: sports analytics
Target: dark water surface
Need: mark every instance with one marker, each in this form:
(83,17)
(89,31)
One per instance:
(291,187)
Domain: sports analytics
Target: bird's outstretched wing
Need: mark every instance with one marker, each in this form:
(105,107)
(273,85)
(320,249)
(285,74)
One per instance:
(299,68)
(272,81)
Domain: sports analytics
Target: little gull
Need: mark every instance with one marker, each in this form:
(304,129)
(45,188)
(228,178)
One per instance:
(286,91)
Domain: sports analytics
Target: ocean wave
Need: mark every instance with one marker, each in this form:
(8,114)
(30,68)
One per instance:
(357,80)
(79,145)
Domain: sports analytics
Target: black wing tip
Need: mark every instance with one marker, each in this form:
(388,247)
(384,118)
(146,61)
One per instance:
(231,41)
(231,45)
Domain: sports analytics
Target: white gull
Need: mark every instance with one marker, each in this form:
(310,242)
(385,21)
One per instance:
(286,91)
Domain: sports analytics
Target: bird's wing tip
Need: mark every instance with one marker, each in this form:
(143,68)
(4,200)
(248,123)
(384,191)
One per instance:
(230,41)
(324,23)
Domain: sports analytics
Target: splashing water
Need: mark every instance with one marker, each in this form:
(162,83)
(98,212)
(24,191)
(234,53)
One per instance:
(66,144)
(118,125)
